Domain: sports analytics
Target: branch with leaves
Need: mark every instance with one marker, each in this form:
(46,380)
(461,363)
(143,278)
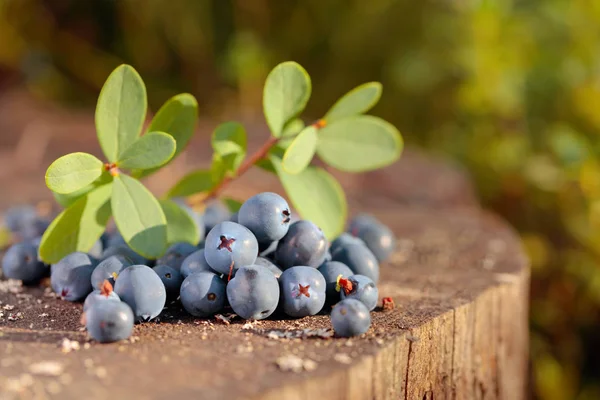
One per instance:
(92,190)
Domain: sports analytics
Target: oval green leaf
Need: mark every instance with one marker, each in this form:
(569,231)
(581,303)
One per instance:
(285,95)
(192,183)
(357,101)
(317,196)
(139,217)
(177,117)
(301,151)
(78,227)
(359,143)
(66,199)
(73,172)
(150,151)
(181,227)
(230,143)
(120,111)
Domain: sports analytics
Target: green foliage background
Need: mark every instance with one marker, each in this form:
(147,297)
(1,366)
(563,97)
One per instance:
(511,88)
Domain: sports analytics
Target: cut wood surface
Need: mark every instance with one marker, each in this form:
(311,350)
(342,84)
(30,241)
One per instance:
(459,280)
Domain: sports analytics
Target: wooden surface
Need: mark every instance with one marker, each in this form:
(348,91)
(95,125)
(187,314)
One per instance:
(459,331)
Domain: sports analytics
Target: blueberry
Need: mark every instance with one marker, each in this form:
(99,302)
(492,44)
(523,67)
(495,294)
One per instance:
(171,278)
(253,293)
(361,288)
(331,271)
(105,293)
(109,321)
(215,213)
(359,259)
(267,215)
(265,262)
(125,251)
(304,244)
(16,218)
(203,294)
(195,262)
(302,291)
(141,288)
(229,242)
(34,228)
(359,222)
(71,276)
(345,239)
(115,239)
(21,262)
(350,317)
(378,237)
(175,255)
(108,268)
(97,249)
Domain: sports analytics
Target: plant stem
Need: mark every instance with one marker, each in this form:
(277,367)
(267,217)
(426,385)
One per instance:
(246,165)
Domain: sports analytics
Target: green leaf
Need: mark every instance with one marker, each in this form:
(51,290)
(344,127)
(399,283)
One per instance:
(150,151)
(357,101)
(194,182)
(285,95)
(317,196)
(291,130)
(66,200)
(359,143)
(232,204)
(301,151)
(229,142)
(218,168)
(180,225)
(120,111)
(73,172)
(177,117)
(139,217)
(78,227)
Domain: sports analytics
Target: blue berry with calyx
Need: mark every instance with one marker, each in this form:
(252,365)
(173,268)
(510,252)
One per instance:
(104,293)
(344,240)
(267,215)
(302,291)
(376,236)
(215,213)
(171,278)
(253,293)
(359,259)
(350,317)
(109,321)
(331,271)
(71,277)
(141,288)
(361,288)
(109,269)
(304,244)
(21,262)
(203,294)
(195,262)
(229,246)
(265,262)
(175,255)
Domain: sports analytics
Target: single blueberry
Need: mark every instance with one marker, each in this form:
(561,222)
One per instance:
(71,277)
(361,288)
(16,218)
(215,213)
(331,271)
(304,244)
(171,278)
(267,215)
(350,317)
(345,239)
(141,288)
(175,255)
(108,268)
(230,245)
(269,265)
(34,228)
(359,259)
(203,294)
(105,293)
(125,251)
(195,262)
(253,293)
(109,321)
(379,239)
(302,291)
(359,222)
(21,262)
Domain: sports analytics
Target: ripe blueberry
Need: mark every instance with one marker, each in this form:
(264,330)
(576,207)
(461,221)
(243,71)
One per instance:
(195,262)
(108,269)
(304,244)
(350,317)
(267,215)
(253,293)
(175,255)
(361,288)
(21,262)
(171,278)
(141,288)
(105,293)
(71,276)
(359,259)
(378,237)
(215,213)
(302,291)
(203,294)
(109,321)
(331,271)
(230,246)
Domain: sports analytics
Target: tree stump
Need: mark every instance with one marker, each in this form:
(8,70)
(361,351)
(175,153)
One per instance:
(459,330)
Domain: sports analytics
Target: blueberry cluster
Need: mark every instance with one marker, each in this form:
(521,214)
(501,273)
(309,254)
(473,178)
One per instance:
(257,261)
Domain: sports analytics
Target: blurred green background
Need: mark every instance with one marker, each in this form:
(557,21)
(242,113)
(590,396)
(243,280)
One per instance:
(510,88)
